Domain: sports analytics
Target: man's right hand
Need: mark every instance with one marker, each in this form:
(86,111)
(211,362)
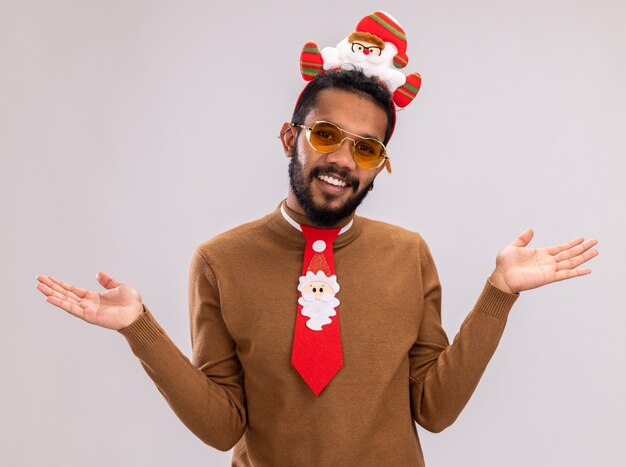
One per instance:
(117,307)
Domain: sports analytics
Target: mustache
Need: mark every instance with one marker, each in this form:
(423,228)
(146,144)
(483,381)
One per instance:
(332,171)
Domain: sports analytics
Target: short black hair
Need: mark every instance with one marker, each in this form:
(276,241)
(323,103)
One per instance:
(353,80)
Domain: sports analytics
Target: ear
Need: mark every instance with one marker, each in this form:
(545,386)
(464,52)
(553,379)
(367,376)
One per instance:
(381,168)
(287,137)
(388,165)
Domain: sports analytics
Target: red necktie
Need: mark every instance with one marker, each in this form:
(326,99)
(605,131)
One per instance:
(316,351)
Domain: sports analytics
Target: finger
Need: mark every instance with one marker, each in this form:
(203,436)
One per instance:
(80,293)
(524,238)
(68,306)
(576,261)
(575,250)
(571,273)
(554,250)
(48,287)
(48,292)
(57,287)
(106,281)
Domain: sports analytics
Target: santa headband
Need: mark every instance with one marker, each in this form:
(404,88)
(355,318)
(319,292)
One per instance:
(377,47)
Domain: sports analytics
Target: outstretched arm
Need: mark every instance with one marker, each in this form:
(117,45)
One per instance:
(208,399)
(443,376)
(519,268)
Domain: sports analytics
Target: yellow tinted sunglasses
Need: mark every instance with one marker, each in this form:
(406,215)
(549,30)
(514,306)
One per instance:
(326,137)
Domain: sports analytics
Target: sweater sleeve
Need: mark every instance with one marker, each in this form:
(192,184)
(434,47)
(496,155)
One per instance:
(207,392)
(443,376)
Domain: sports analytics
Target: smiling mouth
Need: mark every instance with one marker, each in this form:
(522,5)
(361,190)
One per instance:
(333,181)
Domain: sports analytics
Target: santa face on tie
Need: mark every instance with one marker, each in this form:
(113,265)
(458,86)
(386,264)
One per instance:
(318,298)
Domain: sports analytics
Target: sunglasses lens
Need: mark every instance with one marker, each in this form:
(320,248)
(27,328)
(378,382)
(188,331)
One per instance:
(369,153)
(325,137)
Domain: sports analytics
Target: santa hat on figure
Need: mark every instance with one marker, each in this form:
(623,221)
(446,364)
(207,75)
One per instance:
(319,270)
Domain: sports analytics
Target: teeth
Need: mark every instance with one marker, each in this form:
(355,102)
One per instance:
(332,181)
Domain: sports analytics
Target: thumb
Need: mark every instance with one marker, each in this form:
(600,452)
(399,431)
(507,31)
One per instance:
(106,281)
(523,239)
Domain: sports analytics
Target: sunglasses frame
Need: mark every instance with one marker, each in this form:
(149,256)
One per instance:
(383,159)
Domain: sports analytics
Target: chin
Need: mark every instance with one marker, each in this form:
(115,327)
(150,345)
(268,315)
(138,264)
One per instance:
(322,208)
(326,210)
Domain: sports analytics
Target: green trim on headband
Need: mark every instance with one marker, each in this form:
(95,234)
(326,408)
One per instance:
(388,26)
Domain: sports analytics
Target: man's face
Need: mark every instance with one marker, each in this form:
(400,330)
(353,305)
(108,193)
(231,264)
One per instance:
(329,187)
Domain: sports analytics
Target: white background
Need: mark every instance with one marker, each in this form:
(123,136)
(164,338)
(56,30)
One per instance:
(131,131)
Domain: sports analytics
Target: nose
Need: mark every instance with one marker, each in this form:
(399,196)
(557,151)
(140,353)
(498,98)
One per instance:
(342,156)
(366,51)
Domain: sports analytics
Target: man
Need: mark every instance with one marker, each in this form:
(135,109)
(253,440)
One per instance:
(277,377)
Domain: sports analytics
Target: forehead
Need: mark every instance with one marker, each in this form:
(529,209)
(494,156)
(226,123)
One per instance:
(354,112)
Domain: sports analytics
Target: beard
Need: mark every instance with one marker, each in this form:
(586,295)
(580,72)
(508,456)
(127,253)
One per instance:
(318,312)
(323,215)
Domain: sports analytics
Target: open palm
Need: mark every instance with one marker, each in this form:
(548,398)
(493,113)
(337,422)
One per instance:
(520,268)
(115,308)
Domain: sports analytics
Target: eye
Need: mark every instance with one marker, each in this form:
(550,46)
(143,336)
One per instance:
(365,148)
(321,290)
(324,134)
(375,50)
(314,289)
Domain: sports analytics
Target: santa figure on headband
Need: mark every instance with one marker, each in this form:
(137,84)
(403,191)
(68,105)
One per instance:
(378,47)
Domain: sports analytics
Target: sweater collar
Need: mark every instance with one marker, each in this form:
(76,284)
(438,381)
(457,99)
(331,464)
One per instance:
(286,222)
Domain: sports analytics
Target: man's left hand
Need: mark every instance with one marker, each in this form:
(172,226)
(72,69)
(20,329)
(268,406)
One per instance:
(519,268)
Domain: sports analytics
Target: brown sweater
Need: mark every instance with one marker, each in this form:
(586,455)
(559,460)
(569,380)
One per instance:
(240,387)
